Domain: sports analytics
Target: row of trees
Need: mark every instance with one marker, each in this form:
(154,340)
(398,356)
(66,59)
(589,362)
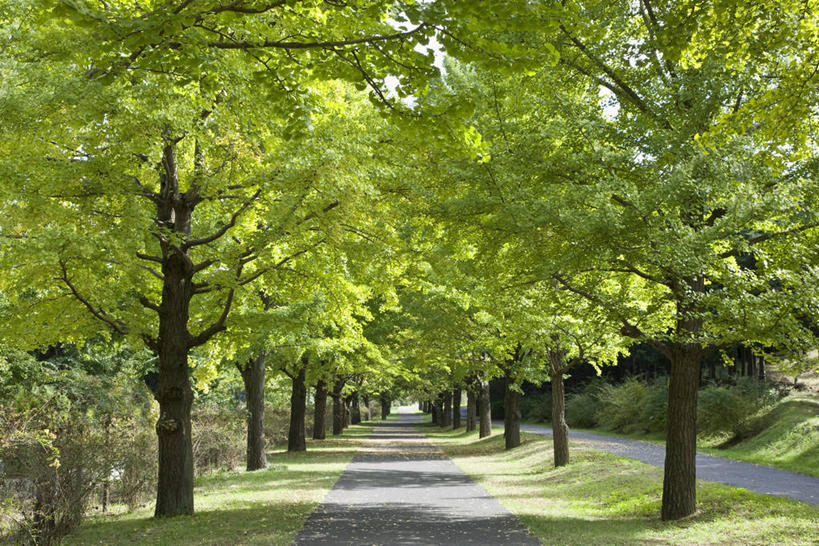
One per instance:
(526,187)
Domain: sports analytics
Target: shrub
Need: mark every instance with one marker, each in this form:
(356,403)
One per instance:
(218,436)
(724,409)
(621,406)
(537,407)
(581,409)
(64,434)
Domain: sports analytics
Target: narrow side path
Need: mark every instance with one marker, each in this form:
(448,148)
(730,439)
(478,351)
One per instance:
(401,489)
(753,477)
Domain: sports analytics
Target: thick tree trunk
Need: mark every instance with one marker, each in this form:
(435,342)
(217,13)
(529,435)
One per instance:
(560,430)
(456,408)
(338,408)
(511,416)
(434,411)
(446,415)
(173,428)
(484,411)
(680,476)
(347,412)
(355,417)
(471,410)
(320,411)
(253,378)
(298,409)
(385,406)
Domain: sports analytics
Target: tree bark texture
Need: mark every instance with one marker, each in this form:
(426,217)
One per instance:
(320,411)
(680,475)
(298,409)
(446,415)
(456,408)
(385,406)
(253,378)
(355,417)
(560,430)
(484,411)
(471,410)
(338,408)
(511,416)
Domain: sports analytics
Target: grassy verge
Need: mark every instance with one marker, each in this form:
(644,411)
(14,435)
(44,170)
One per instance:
(263,507)
(604,499)
(785,436)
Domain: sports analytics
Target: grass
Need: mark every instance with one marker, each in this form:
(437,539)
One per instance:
(604,499)
(787,437)
(263,507)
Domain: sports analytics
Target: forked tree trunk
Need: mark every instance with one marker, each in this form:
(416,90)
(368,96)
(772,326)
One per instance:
(511,416)
(338,408)
(471,410)
(560,430)
(484,411)
(320,411)
(253,378)
(680,475)
(355,417)
(456,408)
(447,410)
(298,409)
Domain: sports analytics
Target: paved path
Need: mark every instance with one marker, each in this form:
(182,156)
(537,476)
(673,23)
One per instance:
(754,477)
(401,489)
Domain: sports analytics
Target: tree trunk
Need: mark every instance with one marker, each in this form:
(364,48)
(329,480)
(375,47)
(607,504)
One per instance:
(338,408)
(347,413)
(560,430)
(355,418)
(511,416)
(456,408)
(173,428)
(253,378)
(680,476)
(447,410)
(368,413)
(385,406)
(471,410)
(298,409)
(320,411)
(484,410)
(434,412)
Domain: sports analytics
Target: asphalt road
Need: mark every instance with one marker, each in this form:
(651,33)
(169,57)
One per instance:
(401,489)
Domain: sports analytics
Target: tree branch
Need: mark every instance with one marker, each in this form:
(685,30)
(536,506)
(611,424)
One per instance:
(99,312)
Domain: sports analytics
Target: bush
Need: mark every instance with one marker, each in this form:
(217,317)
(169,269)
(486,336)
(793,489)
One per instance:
(537,407)
(723,409)
(581,409)
(621,406)
(219,438)
(65,434)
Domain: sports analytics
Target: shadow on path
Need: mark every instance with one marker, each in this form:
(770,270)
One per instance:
(402,490)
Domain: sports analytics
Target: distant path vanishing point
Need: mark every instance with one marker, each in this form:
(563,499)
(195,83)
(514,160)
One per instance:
(401,489)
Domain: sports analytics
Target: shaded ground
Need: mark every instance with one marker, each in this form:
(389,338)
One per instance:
(402,490)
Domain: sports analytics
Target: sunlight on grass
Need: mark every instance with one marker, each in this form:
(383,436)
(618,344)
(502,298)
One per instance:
(263,507)
(604,499)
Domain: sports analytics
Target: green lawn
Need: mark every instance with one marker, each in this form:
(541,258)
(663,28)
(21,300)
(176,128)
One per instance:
(264,507)
(604,499)
(787,437)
